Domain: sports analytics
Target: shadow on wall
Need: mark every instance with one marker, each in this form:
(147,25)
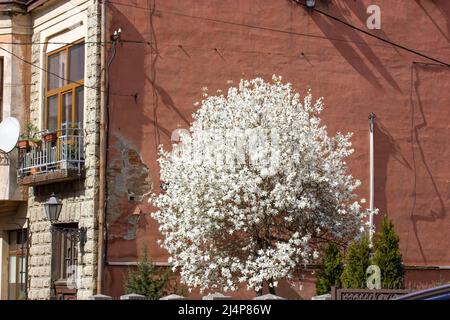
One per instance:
(385,149)
(345,38)
(134,124)
(168,102)
(335,30)
(443,6)
(423,176)
(126,170)
(158,93)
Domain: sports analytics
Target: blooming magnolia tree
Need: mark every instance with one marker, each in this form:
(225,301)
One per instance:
(255,188)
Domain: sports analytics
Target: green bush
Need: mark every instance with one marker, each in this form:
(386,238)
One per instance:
(356,260)
(146,280)
(387,256)
(330,271)
(31,133)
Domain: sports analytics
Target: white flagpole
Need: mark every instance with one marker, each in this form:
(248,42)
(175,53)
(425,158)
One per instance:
(371,124)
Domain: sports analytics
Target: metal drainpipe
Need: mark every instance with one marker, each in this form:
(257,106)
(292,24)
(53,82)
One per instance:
(103,147)
(372,179)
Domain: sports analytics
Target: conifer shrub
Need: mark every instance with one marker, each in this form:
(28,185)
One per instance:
(387,256)
(147,280)
(357,259)
(330,271)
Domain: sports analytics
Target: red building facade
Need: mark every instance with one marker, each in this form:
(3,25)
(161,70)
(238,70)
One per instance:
(169,50)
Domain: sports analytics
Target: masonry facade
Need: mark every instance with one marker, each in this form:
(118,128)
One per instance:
(64,77)
(78,197)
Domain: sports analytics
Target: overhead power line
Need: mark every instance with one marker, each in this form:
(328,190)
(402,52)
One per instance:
(373,35)
(391,43)
(60,77)
(68,43)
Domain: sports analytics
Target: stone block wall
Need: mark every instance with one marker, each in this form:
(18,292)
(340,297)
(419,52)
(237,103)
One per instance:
(79,198)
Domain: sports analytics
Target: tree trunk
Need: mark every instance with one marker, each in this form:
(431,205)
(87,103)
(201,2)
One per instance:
(259,292)
(271,287)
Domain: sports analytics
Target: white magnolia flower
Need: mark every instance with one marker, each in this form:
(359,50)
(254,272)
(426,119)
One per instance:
(254,186)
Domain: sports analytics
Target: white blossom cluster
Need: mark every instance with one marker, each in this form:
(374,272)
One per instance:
(228,219)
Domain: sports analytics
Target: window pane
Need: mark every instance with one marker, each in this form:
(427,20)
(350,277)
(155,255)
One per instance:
(52,113)
(22,238)
(76,62)
(67,252)
(79,106)
(12,269)
(66,116)
(22,269)
(57,70)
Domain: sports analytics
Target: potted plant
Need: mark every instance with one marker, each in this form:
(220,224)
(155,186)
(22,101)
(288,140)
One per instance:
(29,137)
(35,170)
(50,136)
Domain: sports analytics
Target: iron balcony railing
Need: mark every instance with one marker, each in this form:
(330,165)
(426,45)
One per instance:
(66,153)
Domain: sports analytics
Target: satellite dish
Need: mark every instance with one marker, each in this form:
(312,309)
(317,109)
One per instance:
(9,134)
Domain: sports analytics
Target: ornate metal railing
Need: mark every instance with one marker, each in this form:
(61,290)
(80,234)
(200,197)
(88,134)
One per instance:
(64,153)
(366,294)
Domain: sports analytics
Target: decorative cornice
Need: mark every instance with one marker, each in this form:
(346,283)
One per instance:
(20,6)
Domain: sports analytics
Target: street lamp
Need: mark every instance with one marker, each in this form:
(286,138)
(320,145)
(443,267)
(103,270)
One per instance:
(310,3)
(53,208)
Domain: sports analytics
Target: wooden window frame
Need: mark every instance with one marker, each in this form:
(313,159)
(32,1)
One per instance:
(21,251)
(69,86)
(63,242)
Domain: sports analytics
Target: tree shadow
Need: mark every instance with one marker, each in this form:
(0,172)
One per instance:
(444,8)
(167,100)
(333,29)
(418,124)
(360,11)
(385,149)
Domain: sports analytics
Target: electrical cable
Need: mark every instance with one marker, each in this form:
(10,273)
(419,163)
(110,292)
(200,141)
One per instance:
(68,43)
(391,43)
(243,24)
(373,35)
(107,124)
(60,77)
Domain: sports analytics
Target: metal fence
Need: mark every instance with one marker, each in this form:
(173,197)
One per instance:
(366,294)
(212,296)
(66,153)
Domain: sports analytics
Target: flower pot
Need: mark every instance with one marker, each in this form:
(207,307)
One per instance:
(34,170)
(50,137)
(23,144)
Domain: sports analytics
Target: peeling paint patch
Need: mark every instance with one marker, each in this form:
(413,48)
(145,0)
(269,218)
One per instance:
(129,185)
(131,231)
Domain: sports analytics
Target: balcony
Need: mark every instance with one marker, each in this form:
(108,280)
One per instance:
(57,159)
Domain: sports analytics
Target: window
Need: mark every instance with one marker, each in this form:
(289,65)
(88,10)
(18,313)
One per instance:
(1,89)
(17,266)
(66,251)
(65,88)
